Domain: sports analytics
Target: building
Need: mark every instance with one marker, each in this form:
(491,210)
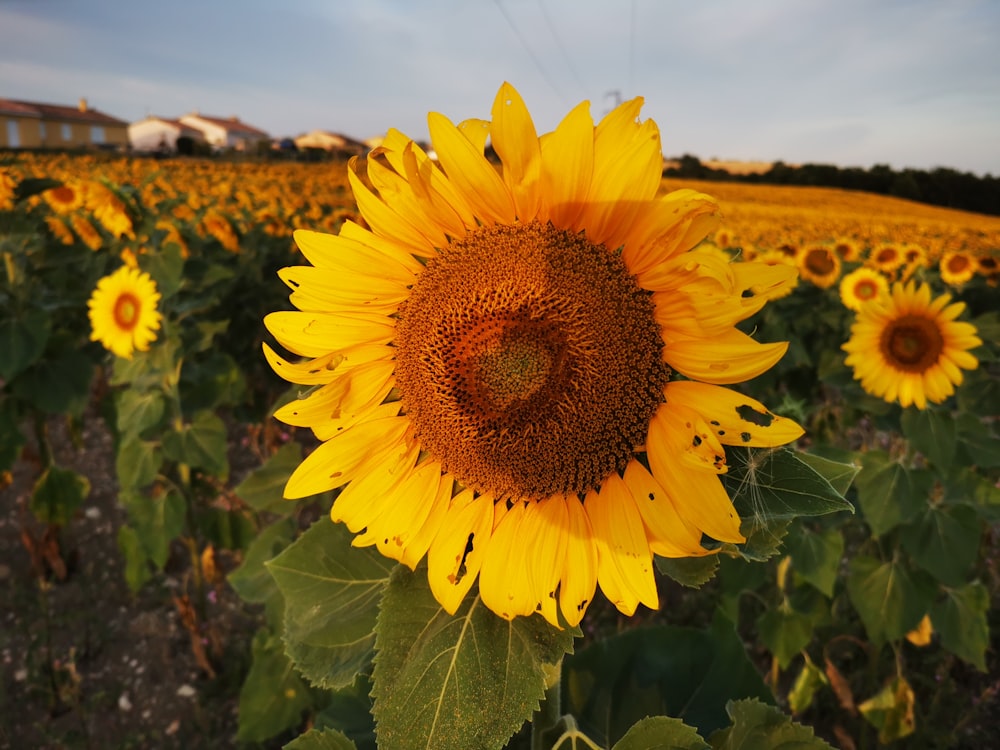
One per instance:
(35,125)
(335,143)
(226,132)
(160,134)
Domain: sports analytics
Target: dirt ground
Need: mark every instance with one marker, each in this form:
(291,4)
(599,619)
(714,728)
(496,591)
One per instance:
(87,664)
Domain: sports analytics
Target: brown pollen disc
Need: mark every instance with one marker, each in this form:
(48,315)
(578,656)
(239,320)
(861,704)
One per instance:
(912,343)
(529,361)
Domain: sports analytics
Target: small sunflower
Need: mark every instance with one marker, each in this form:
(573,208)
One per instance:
(957,267)
(861,286)
(494,361)
(64,199)
(887,257)
(820,265)
(846,249)
(8,189)
(123,312)
(908,348)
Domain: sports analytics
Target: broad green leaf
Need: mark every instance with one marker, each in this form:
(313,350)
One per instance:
(757,726)
(264,488)
(840,474)
(252,580)
(891,711)
(30,186)
(137,571)
(11,439)
(944,541)
(961,620)
(659,671)
(212,381)
(784,632)
(57,385)
(57,495)
(22,340)
(889,602)
(154,368)
(349,710)
(977,442)
(327,739)
(807,683)
(931,432)
(137,463)
(763,539)
(166,266)
(331,592)
(200,444)
(816,555)
(273,697)
(661,733)
(692,572)
(453,682)
(138,411)
(157,521)
(227,529)
(776,484)
(889,493)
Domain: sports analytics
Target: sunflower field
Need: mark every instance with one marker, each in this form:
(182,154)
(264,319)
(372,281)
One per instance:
(792,538)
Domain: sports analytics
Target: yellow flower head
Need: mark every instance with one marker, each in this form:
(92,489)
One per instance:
(846,249)
(123,312)
(908,348)
(886,257)
(820,265)
(8,188)
(861,286)
(957,267)
(494,358)
(64,199)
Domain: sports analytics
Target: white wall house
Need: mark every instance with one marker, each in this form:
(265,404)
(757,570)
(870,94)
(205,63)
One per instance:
(159,134)
(333,142)
(225,132)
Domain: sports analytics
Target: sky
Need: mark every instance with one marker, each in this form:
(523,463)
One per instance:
(909,83)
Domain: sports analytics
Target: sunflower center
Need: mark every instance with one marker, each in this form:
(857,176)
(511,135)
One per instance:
(866,289)
(126,311)
(529,361)
(912,343)
(820,262)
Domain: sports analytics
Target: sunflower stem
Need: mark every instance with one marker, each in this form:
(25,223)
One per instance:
(549,713)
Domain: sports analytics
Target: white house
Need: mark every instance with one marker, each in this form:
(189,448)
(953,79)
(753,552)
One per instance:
(225,132)
(332,142)
(160,134)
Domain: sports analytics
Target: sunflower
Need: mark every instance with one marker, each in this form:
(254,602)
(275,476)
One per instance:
(123,312)
(846,249)
(887,257)
(87,232)
(908,348)
(820,265)
(8,189)
(65,198)
(493,362)
(957,267)
(861,286)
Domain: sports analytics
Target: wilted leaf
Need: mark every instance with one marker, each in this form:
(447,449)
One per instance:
(891,711)
(57,495)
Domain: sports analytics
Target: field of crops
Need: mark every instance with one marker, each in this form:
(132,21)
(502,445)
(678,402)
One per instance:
(868,627)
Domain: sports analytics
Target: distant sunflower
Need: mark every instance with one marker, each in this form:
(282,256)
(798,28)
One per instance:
(8,189)
(988,266)
(65,198)
(905,347)
(887,257)
(492,362)
(846,249)
(123,312)
(820,265)
(861,286)
(957,267)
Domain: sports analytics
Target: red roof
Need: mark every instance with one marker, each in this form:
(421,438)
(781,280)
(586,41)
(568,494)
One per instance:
(81,113)
(232,124)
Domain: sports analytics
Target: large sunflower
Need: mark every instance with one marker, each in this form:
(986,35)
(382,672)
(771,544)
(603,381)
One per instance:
(123,312)
(494,362)
(908,348)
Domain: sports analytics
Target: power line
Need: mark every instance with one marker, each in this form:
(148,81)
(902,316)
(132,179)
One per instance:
(562,48)
(531,54)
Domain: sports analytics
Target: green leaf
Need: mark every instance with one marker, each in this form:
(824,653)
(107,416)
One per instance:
(200,444)
(776,484)
(757,726)
(252,580)
(763,539)
(661,733)
(137,463)
(22,340)
(977,443)
(327,739)
(944,541)
(137,571)
(166,266)
(157,521)
(808,682)
(11,439)
(839,474)
(331,592)
(57,385)
(33,186)
(889,493)
(349,710)
(57,495)
(693,572)
(816,555)
(961,620)
(887,599)
(932,433)
(138,411)
(784,632)
(273,698)
(453,682)
(659,671)
(264,488)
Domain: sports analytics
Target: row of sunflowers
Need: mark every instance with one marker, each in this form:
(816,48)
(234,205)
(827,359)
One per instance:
(887,380)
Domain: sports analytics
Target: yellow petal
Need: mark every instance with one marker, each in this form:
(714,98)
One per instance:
(384,220)
(567,168)
(456,554)
(734,418)
(516,143)
(729,357)
(546,527)
(356,504)
(504,584)
(668,533)
(312,334)
(421,540)
(311,372)
(579,576)
(668,226)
